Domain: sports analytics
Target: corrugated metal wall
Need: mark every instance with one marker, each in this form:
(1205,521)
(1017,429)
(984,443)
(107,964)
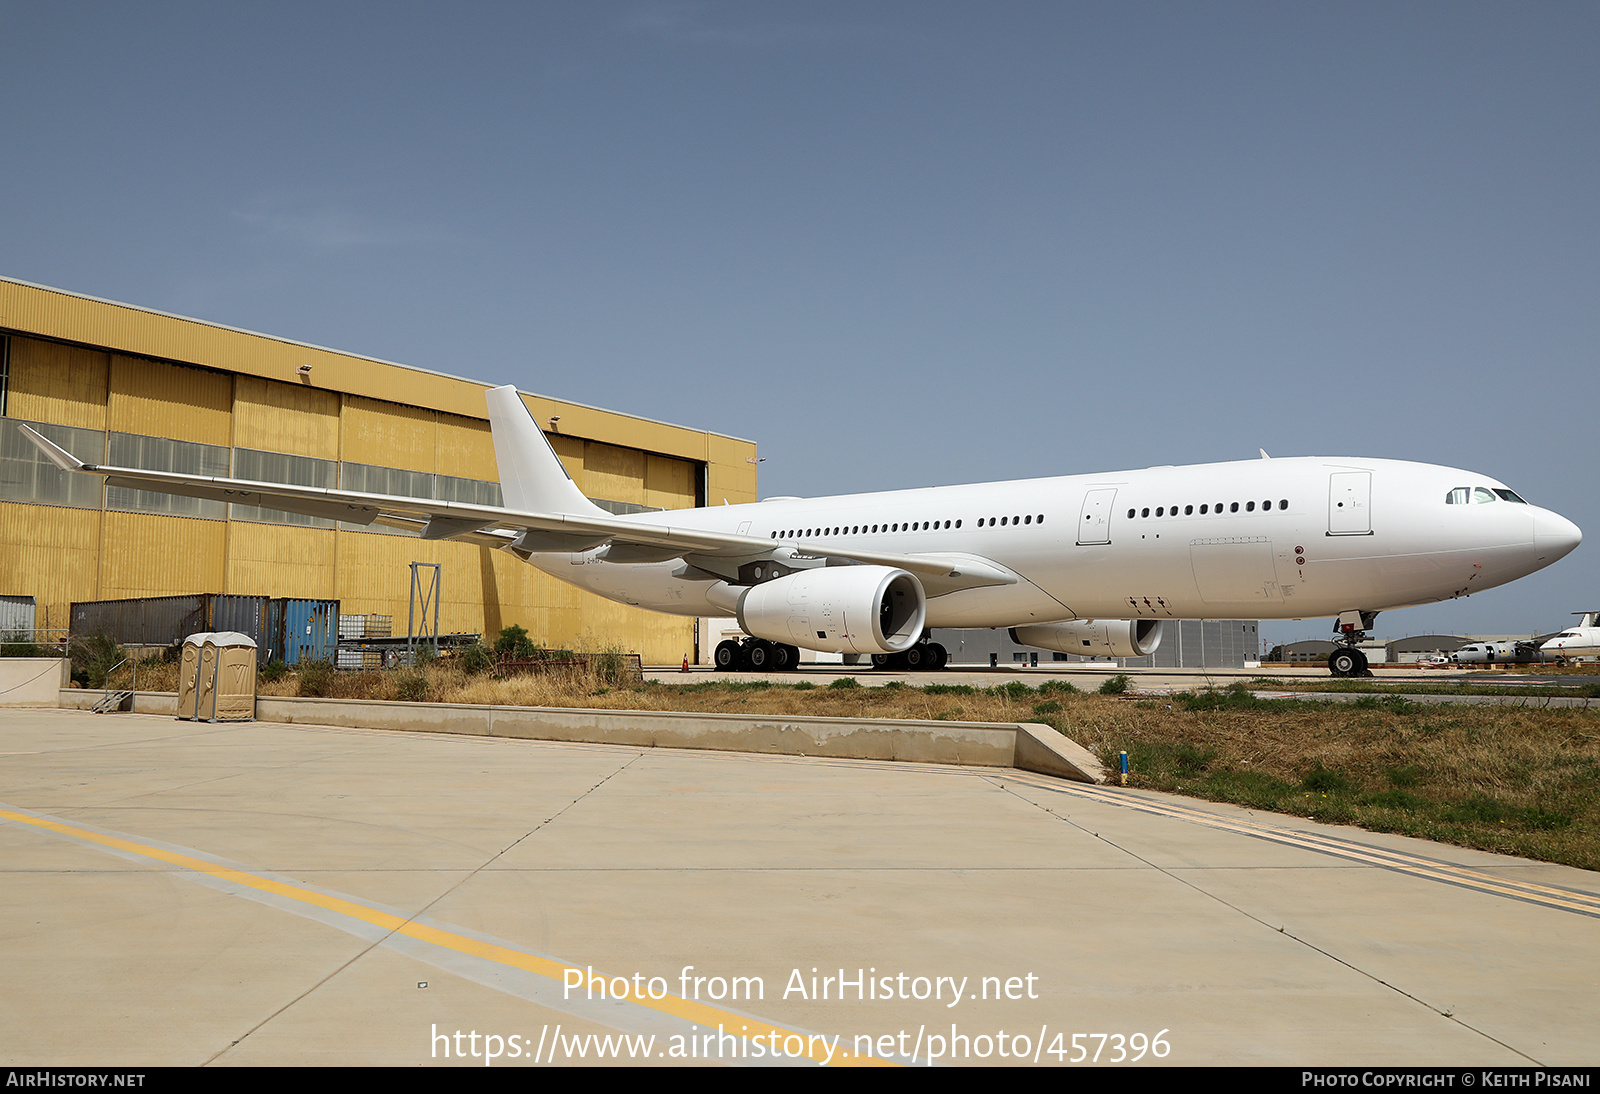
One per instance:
(62,555)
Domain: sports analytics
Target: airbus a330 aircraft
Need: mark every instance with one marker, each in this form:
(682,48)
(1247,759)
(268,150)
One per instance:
(1086,564)
(1575,642)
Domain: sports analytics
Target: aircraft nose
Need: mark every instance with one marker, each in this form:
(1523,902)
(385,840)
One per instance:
(1554,536)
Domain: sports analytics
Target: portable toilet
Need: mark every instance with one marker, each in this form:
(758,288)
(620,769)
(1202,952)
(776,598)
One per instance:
(217,680)
(232,660)
(189,676)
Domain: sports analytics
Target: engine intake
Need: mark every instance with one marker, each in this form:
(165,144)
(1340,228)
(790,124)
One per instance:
(838,609)
(1094,637)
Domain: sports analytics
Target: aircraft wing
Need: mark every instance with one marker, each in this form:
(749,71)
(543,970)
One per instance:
(535,532)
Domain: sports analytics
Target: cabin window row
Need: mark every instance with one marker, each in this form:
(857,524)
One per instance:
(1207,509)
(911,526)
(863,529)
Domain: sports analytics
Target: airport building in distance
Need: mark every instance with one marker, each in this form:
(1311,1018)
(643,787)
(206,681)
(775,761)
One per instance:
(122,385)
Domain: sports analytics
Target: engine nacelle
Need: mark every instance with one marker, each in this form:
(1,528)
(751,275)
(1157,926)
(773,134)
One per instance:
(849,609)
(1094,637)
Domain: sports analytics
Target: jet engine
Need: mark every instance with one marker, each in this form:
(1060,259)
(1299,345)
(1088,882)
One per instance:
(850,609)
(1094,637)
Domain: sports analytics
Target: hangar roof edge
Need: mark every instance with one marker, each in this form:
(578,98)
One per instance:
(345,353)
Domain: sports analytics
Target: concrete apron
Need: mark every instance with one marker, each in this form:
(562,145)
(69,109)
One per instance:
(1023,745)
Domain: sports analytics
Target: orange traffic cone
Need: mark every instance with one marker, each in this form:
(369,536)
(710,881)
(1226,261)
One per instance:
(685,663)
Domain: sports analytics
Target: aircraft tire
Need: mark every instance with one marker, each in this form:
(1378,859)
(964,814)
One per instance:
(783,657)
(1346,662)
(794,658)
(916,658)
(758,656)
(938,656)
(728,656)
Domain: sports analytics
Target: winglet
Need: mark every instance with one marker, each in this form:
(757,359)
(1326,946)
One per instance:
(52,451)
(531,477)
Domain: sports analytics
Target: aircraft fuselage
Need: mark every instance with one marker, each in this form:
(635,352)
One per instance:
(1260,539)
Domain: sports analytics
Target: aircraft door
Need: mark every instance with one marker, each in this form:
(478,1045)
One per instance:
(1350,503)
(1094,523)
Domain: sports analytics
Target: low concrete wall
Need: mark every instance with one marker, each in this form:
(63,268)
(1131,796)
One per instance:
(32,681)
(978,744)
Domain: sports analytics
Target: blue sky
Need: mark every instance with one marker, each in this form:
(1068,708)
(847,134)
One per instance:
(897,244)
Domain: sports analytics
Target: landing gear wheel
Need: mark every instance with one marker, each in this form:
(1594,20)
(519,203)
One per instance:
(758,655)
(938,656)
(1348,662)
(881,660)
(728,656)
(916,658)
(783,658)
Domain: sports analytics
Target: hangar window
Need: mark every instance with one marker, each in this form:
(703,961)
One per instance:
(258,466)
(5,372)
(483,492)
(161,454)
(29,476)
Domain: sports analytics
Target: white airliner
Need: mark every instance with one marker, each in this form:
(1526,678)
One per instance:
(1575,642)
(1089,564)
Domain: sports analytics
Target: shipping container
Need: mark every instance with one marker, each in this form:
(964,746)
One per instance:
(16,618)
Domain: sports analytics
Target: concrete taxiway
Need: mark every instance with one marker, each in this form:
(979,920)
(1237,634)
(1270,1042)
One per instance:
(179,893)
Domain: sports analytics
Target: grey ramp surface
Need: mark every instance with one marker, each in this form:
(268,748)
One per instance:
(1238,934)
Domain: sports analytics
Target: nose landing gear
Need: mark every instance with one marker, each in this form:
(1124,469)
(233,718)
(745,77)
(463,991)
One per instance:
(1347,660)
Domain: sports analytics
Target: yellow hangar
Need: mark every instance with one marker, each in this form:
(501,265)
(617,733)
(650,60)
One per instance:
(132,387)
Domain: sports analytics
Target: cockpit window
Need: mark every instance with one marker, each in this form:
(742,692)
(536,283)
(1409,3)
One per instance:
(1509,495)
(1481,494)
(1461,495)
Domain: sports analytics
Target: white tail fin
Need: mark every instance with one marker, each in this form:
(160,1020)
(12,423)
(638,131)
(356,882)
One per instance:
(532,479)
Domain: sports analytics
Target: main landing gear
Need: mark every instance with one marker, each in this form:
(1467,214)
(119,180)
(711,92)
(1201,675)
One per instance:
(755,655)
(925,656)
(1347,660)
(759,655)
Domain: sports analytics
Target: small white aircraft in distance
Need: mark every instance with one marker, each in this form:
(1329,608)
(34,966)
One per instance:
(1084,564)
(1575,642)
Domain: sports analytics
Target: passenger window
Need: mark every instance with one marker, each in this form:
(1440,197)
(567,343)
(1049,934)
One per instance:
(1249,507)
(1234,508)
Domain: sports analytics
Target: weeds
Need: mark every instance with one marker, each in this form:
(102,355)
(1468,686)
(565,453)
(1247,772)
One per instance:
(1116,685)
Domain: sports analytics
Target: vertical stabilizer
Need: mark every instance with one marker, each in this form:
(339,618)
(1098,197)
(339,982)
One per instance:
(531,477)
